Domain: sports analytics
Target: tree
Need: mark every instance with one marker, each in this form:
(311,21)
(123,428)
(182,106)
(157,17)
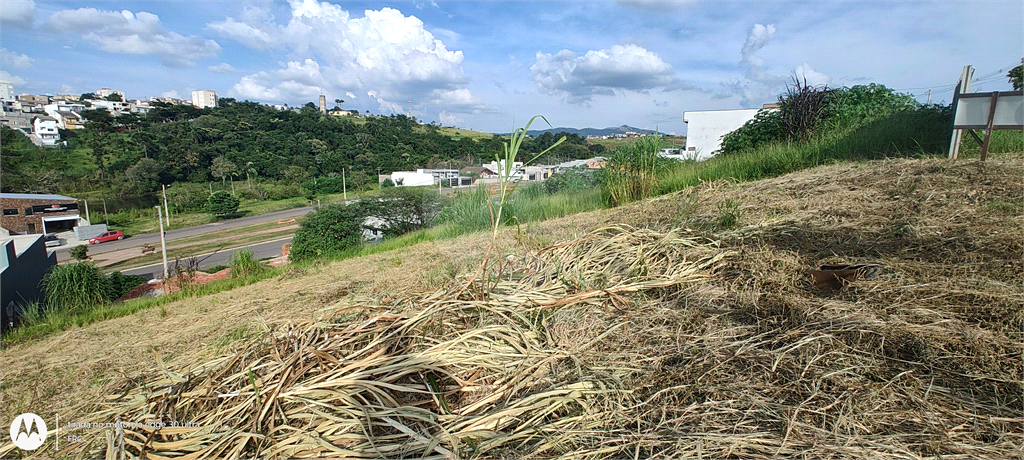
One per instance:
(98,119)
(114,97)
(401,210)
(187,196)
(222,203)
(143,175)
(1016,77)
(88,96)
(222,168)
(328,230)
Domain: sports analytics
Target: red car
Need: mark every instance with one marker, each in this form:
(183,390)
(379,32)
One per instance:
(107,236)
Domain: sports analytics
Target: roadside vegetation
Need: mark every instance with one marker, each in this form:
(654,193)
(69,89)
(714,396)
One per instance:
(814,126)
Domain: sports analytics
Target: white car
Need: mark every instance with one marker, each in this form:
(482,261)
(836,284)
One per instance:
(52,240)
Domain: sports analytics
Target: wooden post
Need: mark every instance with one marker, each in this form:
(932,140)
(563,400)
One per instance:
(963,86)
(988,129)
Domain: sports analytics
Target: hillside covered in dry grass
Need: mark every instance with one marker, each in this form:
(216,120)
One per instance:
(680,327)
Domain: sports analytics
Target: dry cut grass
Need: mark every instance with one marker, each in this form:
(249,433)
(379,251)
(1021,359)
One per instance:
(666,335)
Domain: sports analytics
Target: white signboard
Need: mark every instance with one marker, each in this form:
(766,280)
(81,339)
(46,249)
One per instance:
(972,111)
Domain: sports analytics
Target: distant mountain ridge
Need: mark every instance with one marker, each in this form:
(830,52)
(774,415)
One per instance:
(589,131)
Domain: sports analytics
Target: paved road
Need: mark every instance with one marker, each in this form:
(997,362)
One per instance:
(219,257)
(154,238)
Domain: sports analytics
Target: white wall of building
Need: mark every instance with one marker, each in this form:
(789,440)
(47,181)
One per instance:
(204,99)
(7,91)
(704,129)
(412,179)
(45,129)
(104,92)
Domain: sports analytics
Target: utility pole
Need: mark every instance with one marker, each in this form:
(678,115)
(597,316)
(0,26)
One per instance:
(107,219)
(929,97)
(344,190)
(87,211)
(167,209)
(163,242)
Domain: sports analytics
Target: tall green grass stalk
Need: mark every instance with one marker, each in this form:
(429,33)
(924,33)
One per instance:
(632,171)
(506,166)
(244,264)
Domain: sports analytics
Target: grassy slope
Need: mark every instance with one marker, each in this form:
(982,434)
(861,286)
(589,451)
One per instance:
(948,234)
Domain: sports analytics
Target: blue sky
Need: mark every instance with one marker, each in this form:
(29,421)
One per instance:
(486,65)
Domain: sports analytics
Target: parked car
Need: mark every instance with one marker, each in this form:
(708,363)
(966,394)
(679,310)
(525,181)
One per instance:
(107,236)
(51,240)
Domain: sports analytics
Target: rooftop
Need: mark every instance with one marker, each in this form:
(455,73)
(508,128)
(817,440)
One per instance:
(34,196)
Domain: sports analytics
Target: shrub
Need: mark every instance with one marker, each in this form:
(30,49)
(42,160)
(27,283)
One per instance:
(401,210)
(118,284)
(243,264)
(328,230)
(282,191)
(73,286)
(573,180)
(246,194)
(806,111)
(187,197)
(327,184)
(80,252)
(222,203)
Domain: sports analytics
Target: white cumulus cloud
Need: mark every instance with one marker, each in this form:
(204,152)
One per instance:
(804,72)
(758,84)
(12,59)
(603,72)
(383,51)
(17,14)
(12,79)
(140,33)
(223,67)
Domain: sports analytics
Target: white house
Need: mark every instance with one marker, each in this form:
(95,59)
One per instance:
(104,93)
(66,114)
(45,130)
(517,168)
(411,178)
(114,107)
(705,129)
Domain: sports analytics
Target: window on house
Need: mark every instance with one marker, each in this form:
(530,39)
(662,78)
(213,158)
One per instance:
(11,212)
(29,211)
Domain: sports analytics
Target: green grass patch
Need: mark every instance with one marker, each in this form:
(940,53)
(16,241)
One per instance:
(1002,141)
(56,321)
(917,133)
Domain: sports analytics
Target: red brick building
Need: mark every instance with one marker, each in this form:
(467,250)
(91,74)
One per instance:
(26,213)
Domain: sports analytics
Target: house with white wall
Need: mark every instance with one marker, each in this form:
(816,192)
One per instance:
(705,128)
(66,114)
(44,129)
(411,178)
(104,93)
(114,107)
